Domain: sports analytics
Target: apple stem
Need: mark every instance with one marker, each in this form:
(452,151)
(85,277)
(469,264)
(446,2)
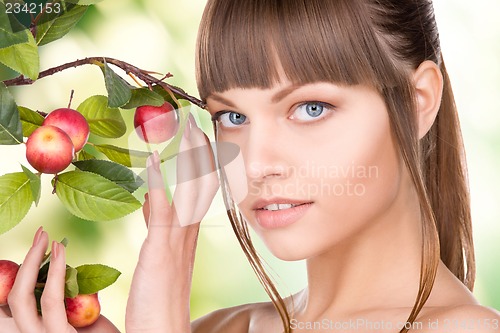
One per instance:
(71,98)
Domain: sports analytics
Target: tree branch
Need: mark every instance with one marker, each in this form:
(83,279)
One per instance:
(128,68)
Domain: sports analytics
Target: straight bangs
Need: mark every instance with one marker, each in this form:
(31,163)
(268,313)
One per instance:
(290,38)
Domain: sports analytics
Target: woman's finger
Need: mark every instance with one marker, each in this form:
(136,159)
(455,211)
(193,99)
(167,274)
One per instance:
(53,310)
(156,187)
(160,212)
(208,180)
(197,178)
(186,190)
(22,301)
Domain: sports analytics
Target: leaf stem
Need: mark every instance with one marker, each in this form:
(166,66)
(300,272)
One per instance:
(135,79)
(56,178)
(173,97)
(126,67)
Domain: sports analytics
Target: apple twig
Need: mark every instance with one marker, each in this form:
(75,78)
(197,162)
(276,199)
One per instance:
(128,68)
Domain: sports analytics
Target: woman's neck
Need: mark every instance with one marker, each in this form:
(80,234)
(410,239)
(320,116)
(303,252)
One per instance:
(379,267)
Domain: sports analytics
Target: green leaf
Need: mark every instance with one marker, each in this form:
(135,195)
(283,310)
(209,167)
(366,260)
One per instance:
(93,197)
(103,121)
(8,38)
(143,96)
(119,91)
(126,157)
(56,25)
(64,242)
(8,35)
(166,96)
(71,288)
(11,132)
(115,172)
(30,120)
(44,266)
(35,184)
(23,57)
(15,199)
(6,73)
(93,278)
(18,20)
(84,156)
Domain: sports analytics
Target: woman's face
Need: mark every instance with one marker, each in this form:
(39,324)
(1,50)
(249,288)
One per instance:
(320,164)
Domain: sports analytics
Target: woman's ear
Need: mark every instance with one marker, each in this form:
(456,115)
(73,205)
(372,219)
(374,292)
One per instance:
(428,82)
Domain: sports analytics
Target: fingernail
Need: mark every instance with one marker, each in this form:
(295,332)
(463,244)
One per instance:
(38,236)
(146,196)
(149,161)
(156,163)
(55,250)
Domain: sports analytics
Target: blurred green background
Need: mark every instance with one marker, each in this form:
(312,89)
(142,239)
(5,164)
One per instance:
(160,36)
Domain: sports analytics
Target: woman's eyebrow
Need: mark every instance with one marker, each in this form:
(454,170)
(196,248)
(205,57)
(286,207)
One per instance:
(277,97)
(222,100)
(283,93)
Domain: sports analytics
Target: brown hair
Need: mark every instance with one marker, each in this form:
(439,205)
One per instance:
(373,42)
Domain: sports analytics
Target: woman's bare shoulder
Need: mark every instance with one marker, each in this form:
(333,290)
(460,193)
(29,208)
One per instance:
(461,319)
(235,319)
(456,309)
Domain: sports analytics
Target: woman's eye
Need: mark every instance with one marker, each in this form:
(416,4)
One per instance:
(232,119)
(310,111)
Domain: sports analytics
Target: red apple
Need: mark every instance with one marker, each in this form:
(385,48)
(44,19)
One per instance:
(156,124)
(8,272)
(83,310)
(73,123)
(49,149)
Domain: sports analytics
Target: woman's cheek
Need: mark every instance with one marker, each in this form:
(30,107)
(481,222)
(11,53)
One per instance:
(370,176)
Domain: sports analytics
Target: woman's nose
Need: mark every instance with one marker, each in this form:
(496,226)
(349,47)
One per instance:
(265,152)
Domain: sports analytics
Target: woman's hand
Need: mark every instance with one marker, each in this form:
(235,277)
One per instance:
(21,316)
(159,296)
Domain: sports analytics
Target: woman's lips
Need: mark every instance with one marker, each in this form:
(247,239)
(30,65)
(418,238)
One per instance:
(278,218)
